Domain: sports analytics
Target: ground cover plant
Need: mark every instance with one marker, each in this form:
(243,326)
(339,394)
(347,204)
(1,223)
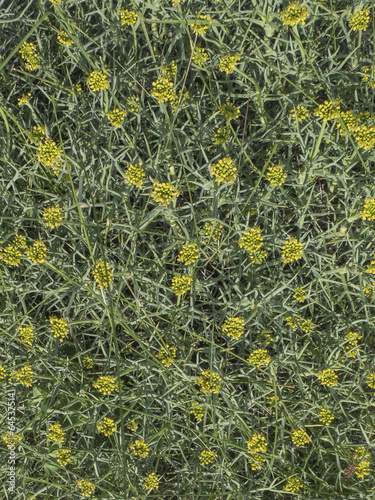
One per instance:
(187,249)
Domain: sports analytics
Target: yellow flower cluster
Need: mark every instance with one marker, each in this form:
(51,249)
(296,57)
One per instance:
(97,80)
(11,255)
(350,120)
(224,170)
(29,55)
(181,284)
(293,485)
(59,327)
(162,89)
(229,111)
(164,192)
(368,211)
(188,254)
(140,448)
(26,334)
(52,216)
(167,355)
(325,416)
(200,56)
(37,252)
(300,437)
(256,445)
(24,99)
(55,433)
(2,372)
(294,14)
(107,426)
(252,241)
(24,376)
(299,294)
(301,113)
(351,347)
(209,382)
(371,380)
(259,357)
(291,251)
(128,17)
(329,110)
(135,174)
(105,385)
(116,117)
(86,487)
(12,439)
(49,153)
(197,410)
(132,425)
(365,136)
(221,136)
(228,63)
(152,482)
(170,70)
(370,267)
(87,362)
(102,274)
(213,230)
(37,134)
(306,325)
(207,457)
(328,377)
(64,38)
(276,175)
(369,76)
(234,327)
(362,468)
(360,20)
(63,457)
(201,24)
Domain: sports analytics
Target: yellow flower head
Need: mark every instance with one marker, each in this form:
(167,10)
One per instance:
(200,56)
(167,355)
(294,14)
(107,426)
(301,112)
(371,380)
(293,485)
(362,468)
(365,136)
(328,377)
(181,284)
(234,327)
(59,327)
(26,334)
(213,230)
(63,457)
(128,17)
(64,38)
(228,63)
(300,437)
(86,487)
(162,89)
(222,135)
(209,382)
(299,294)
(152,482)
(11,255)
(37,252)
(135,175)
(329,110)
(256,445)
(164,192)
(49,153)
(132,425)
(55,433)
(197,410)
(2,372)
(12,439)
(37,134)
(24,99)
(259,357)
(140,448)
(368,211)
(350,120)
(188,254)
(276,175)
(252,241)
(325,416)
(207,457)
(102,274)
(229,111)
(97,81)
(201,24)
(24,376)
(105,385)
(292,250)
(116,117)
(360,20)
(351,346)
(224,170)
(52,216)
(170,70)
(369,76)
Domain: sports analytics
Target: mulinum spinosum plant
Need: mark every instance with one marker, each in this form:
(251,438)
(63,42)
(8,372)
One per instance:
(187,249)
